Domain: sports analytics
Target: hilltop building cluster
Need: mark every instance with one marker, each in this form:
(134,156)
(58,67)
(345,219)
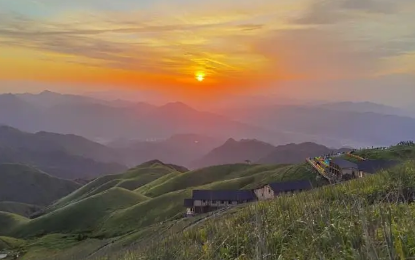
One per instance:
(333,167)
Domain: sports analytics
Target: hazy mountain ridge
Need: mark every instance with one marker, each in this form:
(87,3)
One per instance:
(255,151)
(64,156)
(233,151)
(24,184)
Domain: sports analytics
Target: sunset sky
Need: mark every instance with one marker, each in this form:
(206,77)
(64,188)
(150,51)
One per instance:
(347,49)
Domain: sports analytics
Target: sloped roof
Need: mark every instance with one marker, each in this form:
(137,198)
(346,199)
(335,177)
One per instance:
(234,195)
(188,203)
(342,163)
(290,185)
(373,166)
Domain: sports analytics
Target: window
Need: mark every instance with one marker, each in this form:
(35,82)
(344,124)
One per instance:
(222,202)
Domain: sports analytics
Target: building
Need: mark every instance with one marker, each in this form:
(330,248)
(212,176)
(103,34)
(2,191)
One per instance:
(373,166)
(203,201)
(272,190)
(343,168)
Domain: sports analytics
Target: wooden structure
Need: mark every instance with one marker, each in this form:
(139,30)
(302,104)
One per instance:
(272,190)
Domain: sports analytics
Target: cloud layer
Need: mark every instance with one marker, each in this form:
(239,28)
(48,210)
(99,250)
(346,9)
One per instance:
(232,42)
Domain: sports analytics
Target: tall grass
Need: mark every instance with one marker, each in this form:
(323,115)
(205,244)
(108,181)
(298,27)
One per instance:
(370,218)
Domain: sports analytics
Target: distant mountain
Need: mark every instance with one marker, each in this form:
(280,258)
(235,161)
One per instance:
(364,107)
(24,184)
(179,149)
(332,127)
(233,151)
(296,153)
(109,120)
(65,156)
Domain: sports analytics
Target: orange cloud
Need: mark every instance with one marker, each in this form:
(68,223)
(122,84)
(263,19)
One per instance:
(237,46)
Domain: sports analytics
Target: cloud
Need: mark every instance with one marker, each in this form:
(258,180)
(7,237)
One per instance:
(250,40)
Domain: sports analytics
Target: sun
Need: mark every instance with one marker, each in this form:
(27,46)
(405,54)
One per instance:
(200,76)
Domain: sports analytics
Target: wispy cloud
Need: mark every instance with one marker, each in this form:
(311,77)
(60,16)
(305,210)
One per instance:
(225,39)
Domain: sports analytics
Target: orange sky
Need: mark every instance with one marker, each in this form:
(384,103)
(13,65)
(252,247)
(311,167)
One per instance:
(237,44)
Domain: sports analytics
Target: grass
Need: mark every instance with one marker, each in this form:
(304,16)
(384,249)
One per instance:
(205,176)
(131,180)
(370,218)
(22,209)
(10,221)
(10,243)
(330,222)
(84,216)
(20,183)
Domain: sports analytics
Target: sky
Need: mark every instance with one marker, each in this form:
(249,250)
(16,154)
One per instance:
(309,49)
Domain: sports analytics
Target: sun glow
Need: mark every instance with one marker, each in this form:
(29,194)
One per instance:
(200,76)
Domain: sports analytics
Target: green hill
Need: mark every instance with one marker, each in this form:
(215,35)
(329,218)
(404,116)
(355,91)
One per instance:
(153,223)
(370,218)
(170,205)
(196,178)
(10,221)
(7,243)
(83,216)
(25,184)
(21,209)
(131,180)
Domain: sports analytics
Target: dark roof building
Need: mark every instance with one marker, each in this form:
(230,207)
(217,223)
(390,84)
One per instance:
(279,187)
(229,195)
(373,166)
(344,164)
(188,203)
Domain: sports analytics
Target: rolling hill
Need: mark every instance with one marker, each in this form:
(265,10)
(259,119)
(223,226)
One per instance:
(109,211)
(24,184)
(132,179)
(82,216)
(22,209)
(149,220)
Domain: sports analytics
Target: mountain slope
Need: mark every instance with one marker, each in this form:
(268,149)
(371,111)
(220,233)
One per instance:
(179,149)
(9,222)
(295,153)
(132,179)
(234,152)
(20,183)
(59,155)
(82,216)
(22,209)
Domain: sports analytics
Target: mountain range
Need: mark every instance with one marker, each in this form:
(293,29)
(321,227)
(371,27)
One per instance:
(254,151)
(64,156)
(332,123)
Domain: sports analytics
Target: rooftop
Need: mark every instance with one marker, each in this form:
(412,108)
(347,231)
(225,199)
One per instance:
(233,195)
(373,166)
(290,185)
(342,163)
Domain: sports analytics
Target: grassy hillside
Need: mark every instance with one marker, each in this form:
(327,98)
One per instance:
(10,221)
(83,216)
(25,184)
(21,209)
(152,226)
(131,180)
(170,205)
(370,218)
(196,178)
(9,243)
